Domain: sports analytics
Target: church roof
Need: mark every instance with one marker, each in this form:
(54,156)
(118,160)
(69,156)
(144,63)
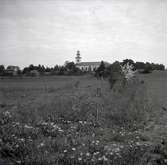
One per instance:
(90,63)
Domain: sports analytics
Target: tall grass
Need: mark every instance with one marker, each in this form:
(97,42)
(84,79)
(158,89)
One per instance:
(77,125)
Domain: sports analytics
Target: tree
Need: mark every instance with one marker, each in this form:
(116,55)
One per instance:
(2,70)
(127,61)
(116,74)
(31,67)
(100,72)
(71,68)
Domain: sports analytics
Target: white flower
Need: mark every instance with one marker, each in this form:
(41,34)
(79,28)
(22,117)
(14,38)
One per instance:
(7,114)
(73,149)
(104,158)
(72,157)
(92,160)
(19,162)
(44,123)
(85,122)
(27,126)
(137,143)
(65,151)
(87,154)
(16,145)
(127,70)
(22,139)
(41,144)
(60,130)
(117,149)
(96,153)
(79,159)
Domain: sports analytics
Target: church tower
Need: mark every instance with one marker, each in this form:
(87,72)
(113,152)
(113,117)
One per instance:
(78,57)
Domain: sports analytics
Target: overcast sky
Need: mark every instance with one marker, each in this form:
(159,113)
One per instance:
(51,31)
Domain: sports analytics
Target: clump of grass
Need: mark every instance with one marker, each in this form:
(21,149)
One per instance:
(129,107)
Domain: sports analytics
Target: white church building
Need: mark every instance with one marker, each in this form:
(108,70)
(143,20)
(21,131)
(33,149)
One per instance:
(87,66)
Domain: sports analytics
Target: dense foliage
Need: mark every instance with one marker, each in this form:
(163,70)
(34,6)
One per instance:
(70,69)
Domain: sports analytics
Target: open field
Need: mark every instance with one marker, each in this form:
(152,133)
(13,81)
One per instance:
(157,86)
(79,120)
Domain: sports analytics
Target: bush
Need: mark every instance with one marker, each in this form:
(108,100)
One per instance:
(115,74)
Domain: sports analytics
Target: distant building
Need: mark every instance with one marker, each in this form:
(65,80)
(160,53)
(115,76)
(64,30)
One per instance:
(87,66)
(12,70)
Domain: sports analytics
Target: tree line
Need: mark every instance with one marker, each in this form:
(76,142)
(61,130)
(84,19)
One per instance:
(70,68)
(32,70)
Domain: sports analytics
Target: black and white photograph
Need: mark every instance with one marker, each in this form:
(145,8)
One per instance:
(83,82)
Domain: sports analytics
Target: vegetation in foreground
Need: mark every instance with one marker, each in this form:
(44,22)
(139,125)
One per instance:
(79,125)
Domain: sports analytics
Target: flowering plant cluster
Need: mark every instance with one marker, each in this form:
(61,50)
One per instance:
(128,71)
(64,141)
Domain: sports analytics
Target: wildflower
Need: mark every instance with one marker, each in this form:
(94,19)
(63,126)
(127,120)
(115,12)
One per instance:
(22,139)
(137,137)
(73,127)
(72,157)
(118,154)
(92,159)
(44,123)
(27,126)
(55,126)
(93,135)
(137,143)
(121,146)
(19,162)
(127,70)
(41,145)
(104,158)
(111,153)
(73,149)
(7,113)
(117,149)
(93,142)
(87,154)
(16,123)
(65,151)
(96,153)
(79,158)
(17,146)
(80,122)
(97,142)
(60,130)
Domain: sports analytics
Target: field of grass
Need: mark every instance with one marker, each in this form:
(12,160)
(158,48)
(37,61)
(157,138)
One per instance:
(80,120)
(157,86)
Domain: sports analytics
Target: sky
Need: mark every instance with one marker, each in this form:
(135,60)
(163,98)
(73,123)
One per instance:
(50,32)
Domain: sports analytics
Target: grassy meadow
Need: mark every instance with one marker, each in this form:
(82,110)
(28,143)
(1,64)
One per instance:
(79,120)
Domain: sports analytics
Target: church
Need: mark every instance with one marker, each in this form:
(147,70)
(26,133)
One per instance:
(87,66)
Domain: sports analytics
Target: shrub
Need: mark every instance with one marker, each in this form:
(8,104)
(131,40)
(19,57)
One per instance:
(115,74)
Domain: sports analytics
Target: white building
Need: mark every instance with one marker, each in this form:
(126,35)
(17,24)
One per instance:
(87,66)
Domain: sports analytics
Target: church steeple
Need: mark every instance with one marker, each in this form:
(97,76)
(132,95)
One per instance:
(78,57)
